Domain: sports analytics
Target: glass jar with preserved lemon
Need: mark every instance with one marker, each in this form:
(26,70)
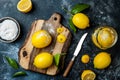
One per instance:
(104,37)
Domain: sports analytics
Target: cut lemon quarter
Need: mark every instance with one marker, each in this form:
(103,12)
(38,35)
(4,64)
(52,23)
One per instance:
(88,75)
(24,6)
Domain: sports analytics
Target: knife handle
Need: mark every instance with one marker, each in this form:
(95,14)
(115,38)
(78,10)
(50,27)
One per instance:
(68,68)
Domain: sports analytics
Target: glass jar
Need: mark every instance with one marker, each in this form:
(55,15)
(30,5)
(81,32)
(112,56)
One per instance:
(104,37)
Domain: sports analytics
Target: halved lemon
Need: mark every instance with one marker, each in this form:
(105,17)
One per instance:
(88,75)
(24,6)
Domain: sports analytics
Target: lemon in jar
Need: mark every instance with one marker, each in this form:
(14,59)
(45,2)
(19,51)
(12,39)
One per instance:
(104,37)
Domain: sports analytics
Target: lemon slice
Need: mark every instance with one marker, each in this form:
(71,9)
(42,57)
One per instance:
(88,75)
(85,58)
(61,38)
(24,6)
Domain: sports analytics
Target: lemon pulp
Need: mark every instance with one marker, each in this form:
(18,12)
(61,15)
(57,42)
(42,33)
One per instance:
(24,6)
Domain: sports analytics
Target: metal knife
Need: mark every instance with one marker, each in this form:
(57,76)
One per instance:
(78,48)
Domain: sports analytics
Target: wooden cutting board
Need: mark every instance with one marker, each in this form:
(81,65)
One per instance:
(27,52)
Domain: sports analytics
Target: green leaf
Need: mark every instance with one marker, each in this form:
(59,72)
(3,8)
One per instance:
(57,59)
(72,25)
(78,8)
(20,73)
(12,62)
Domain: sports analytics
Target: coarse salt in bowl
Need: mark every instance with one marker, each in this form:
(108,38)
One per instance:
(9,29)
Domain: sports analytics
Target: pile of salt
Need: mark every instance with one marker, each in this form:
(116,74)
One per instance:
(8,30)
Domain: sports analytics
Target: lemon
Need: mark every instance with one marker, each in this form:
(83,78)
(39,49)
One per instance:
(60,30)
(43,60)
(41,39)
(85,58)
(61,38)
(102,60)
(80,20)
(24,6)
(104,37)
(95,39)
(88,75)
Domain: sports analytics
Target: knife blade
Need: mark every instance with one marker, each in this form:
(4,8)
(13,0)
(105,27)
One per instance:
(80,44)
(78,48)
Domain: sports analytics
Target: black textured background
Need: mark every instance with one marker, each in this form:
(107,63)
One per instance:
(101,12)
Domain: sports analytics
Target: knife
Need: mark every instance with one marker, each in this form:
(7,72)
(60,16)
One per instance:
(78,48)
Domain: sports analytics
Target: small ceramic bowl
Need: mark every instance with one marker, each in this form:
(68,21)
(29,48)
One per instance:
(18,26)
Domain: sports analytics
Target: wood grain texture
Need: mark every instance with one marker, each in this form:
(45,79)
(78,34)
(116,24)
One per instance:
(28,52)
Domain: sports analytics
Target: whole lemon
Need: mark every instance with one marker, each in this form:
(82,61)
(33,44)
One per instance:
(43,60)
(41,39)
(102,60)
(80,20)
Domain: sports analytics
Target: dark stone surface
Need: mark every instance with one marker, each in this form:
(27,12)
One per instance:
(101,12)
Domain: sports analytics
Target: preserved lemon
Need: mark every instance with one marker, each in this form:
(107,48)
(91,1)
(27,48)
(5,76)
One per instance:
(104,37)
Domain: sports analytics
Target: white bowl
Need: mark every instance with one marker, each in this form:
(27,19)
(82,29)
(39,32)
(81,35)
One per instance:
(18,26)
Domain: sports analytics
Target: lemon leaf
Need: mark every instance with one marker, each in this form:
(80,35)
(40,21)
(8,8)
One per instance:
(57,59)
(78,8)
(20,73)
(12,62)
(72,25)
